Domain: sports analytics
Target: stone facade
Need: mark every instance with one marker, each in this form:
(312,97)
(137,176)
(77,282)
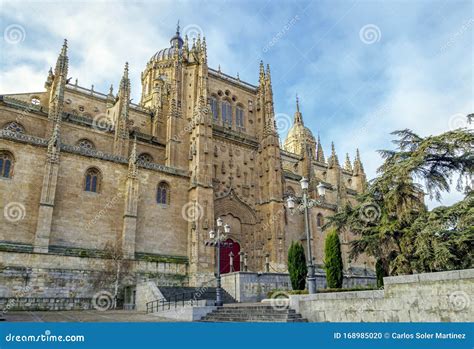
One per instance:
(431,297)
(210,139)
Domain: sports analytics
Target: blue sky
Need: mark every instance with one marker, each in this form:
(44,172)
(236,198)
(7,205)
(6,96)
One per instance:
(361,68)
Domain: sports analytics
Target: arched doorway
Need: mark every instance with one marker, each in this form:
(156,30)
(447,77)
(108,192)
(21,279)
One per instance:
(233,247)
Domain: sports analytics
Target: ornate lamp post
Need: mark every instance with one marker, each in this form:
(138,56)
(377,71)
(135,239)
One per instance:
(305,204)
(218,243)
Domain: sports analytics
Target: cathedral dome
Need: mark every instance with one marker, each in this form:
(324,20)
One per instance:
(298,134)
(168,52)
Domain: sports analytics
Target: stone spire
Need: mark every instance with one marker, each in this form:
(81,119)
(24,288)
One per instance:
(333,161)
(58,86)
(121,139)
(261,78)
(358,167)
(319,151)
(298,116)
(204,50)
(268,78)
(62,63)
(347,164)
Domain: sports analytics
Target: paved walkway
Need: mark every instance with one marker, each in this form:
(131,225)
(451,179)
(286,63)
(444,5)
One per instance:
(82,316)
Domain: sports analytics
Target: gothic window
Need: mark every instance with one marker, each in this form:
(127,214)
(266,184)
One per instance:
(145,157)
(214,108)
(319,220)
(226,113)
(92,180)
(85,144)
(6,164)
(239,117)
(14,127)
(163,193)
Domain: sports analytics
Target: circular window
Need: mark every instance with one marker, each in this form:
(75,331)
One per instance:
(81,108)
(35,101)
(85,144)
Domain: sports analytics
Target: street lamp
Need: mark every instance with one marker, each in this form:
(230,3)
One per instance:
(216,240)
(305,204)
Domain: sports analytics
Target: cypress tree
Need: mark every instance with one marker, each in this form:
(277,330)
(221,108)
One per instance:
(297,266)
(333,260)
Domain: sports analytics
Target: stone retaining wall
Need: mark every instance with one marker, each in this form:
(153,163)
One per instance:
(254,287)
(45,276)
(431,297)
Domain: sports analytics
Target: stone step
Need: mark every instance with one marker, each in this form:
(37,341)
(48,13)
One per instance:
(253,320)
(249,318)
(259,312)
(252,313)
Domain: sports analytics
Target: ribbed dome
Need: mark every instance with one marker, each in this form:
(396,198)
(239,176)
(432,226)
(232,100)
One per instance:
(298,134)
(164,54)
(168,53)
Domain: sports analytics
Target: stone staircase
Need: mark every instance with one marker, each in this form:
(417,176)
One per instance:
(252,312)
(209,293)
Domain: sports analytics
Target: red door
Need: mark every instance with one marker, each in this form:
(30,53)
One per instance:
(225,258)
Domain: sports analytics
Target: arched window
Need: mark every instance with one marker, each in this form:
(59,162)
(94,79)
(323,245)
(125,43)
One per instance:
(239,117)
(6,164)
(145,157)
(214,109)
(163,193)
(92,180)
(86,144)
(14,127)
(319,220)
(226,113)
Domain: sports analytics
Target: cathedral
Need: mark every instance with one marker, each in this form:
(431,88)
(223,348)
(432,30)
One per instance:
(81,170)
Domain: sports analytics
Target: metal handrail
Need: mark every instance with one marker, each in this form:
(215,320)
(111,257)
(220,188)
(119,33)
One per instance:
(180,298)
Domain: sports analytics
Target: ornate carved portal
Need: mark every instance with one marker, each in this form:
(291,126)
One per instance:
(242,220)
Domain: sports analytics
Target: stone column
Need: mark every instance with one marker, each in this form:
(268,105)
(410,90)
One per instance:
(267,262)
(231,261)
(241,254)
